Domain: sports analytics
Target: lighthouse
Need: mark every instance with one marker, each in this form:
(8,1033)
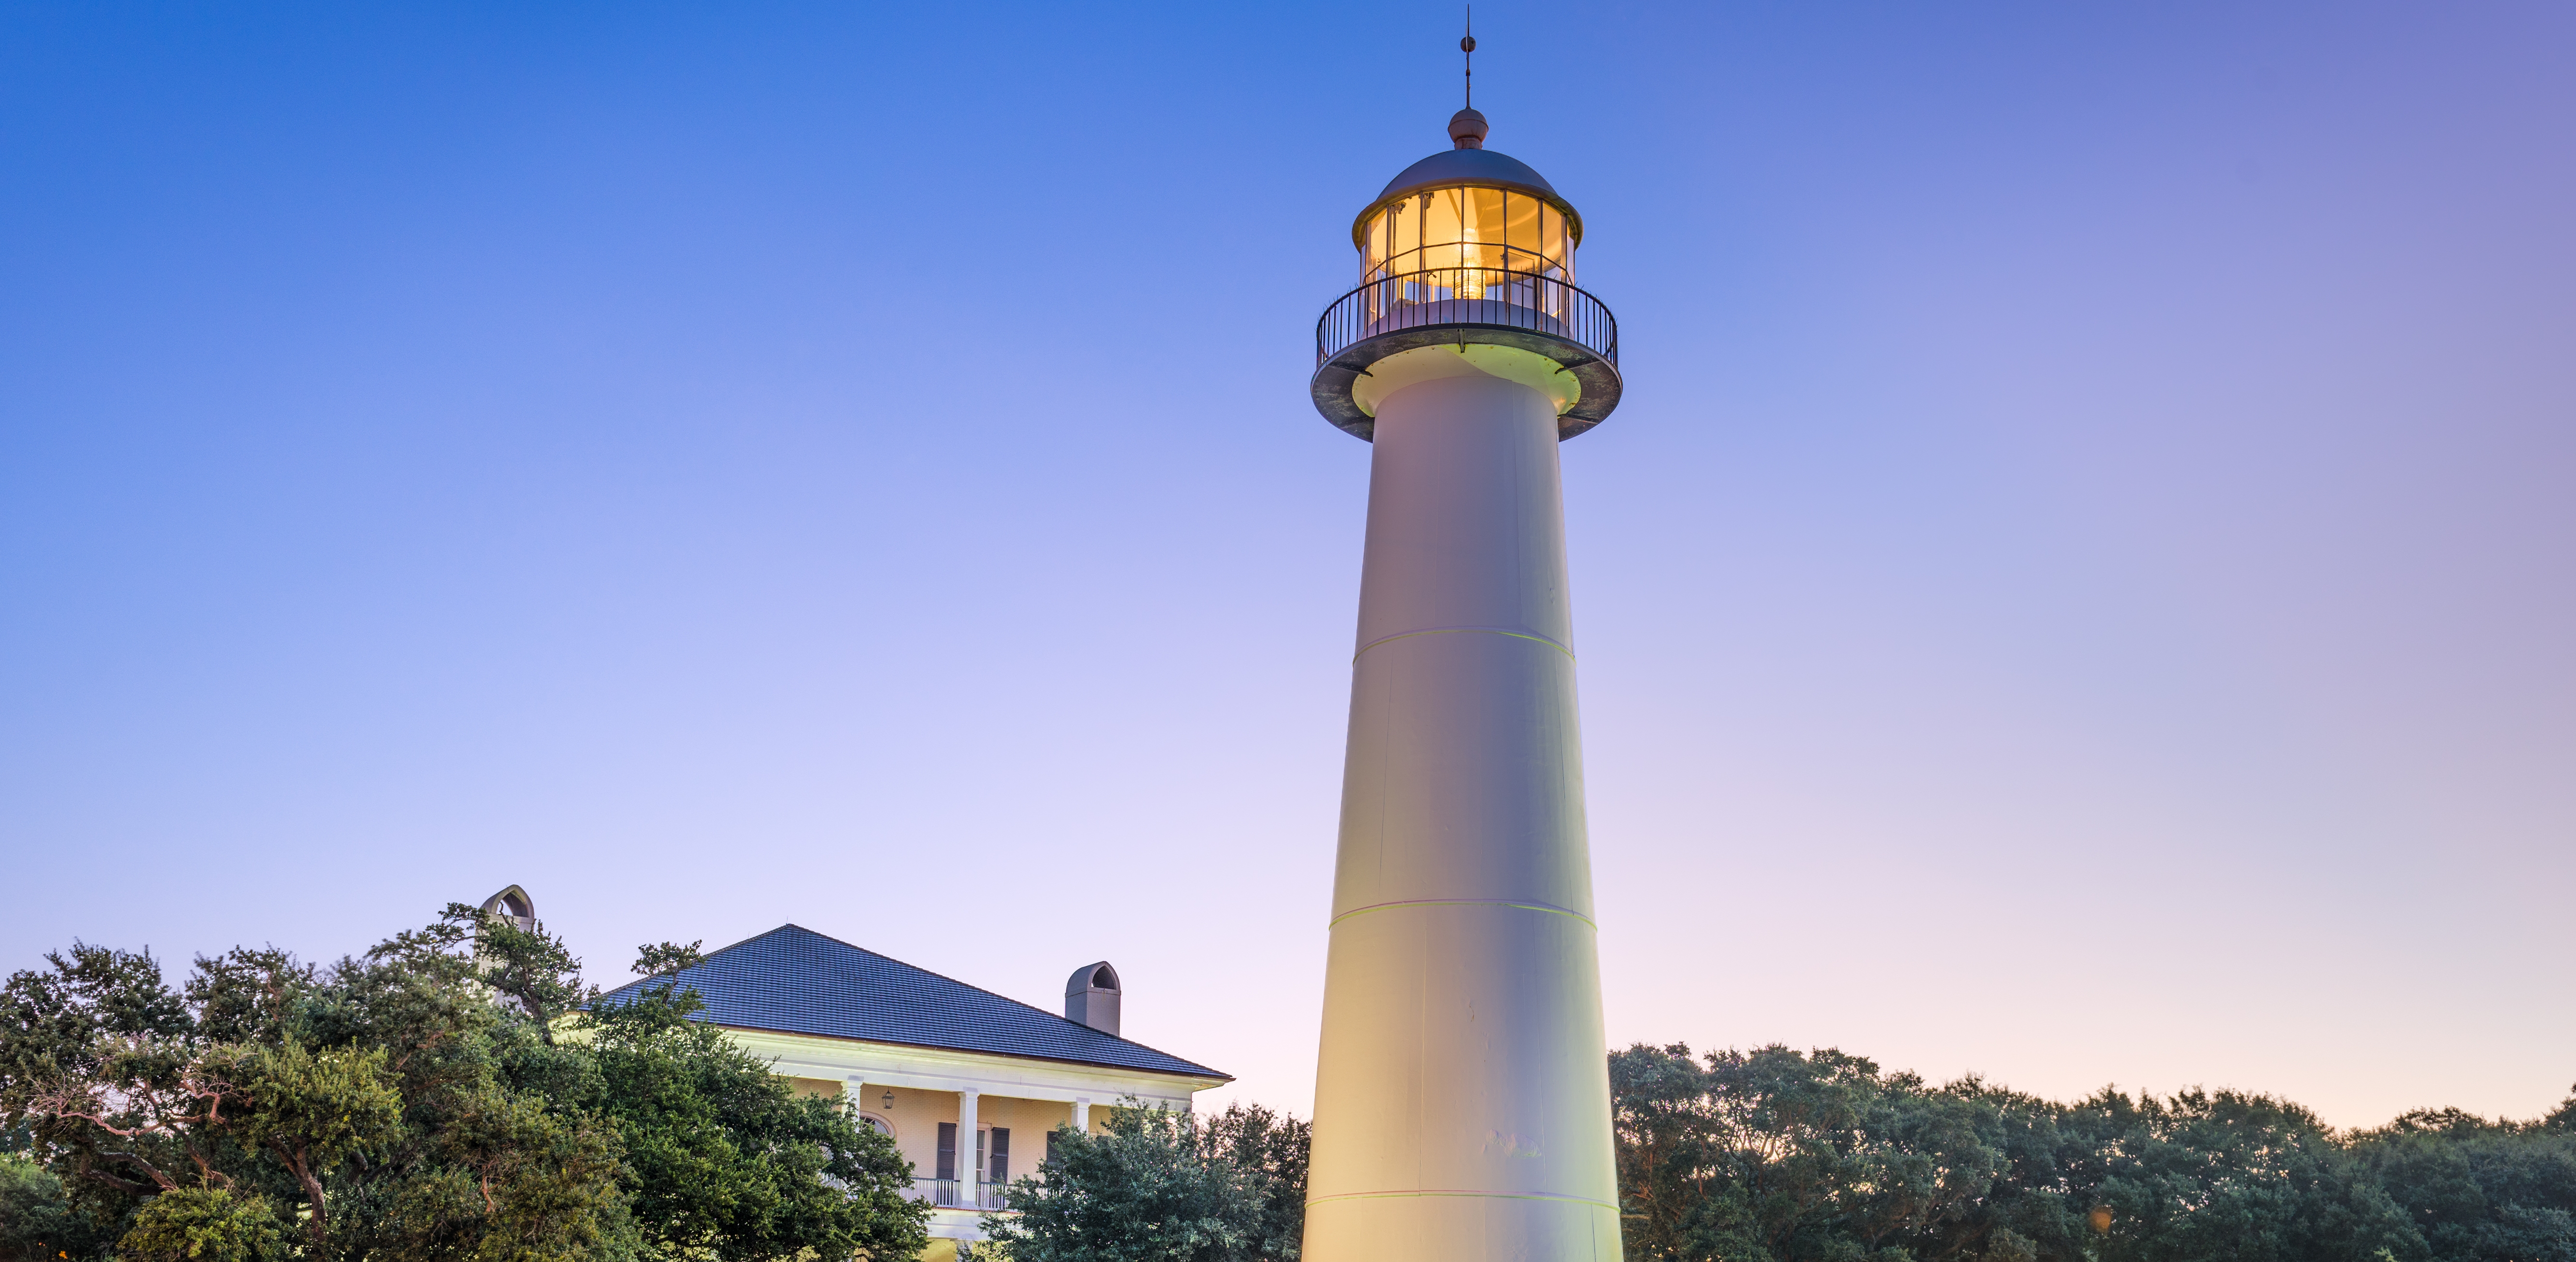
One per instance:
(1462,1100)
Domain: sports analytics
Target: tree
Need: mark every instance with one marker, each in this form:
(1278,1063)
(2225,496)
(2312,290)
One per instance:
(2225,1175)
(723,1160)
(204,1224)
(529,969)
(454,1094)
(1781,1156)
(1777,1154)
(2481,1191)
(362,1108)
(37,1222)
(1161,1186)
(1272,1150)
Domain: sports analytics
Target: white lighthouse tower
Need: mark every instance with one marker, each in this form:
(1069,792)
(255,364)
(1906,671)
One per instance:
(1462,1102)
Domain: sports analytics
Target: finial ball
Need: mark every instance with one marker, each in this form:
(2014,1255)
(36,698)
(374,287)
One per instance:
(1467,44)
(1467,129)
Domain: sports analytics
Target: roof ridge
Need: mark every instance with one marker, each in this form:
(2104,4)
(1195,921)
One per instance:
(710,956)
(977,989)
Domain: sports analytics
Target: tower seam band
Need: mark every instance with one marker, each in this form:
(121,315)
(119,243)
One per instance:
(1500,1196)
(1517,635)
(1461,902)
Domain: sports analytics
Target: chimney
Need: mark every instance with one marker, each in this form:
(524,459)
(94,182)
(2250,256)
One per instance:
(1091,997)
(513,905)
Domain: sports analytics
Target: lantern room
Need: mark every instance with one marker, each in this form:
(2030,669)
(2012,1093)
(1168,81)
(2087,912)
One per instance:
(1466,226)
(1470,249)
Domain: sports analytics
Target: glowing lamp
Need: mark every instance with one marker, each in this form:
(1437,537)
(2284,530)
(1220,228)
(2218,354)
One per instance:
(1471,249)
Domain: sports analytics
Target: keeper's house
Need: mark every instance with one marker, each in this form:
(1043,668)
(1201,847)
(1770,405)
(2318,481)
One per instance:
(949,1070)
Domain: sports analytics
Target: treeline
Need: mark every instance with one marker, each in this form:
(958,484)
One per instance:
(1822,1157)
(1784,1156)
(1779,1156)
(452,1095)
(457,1095)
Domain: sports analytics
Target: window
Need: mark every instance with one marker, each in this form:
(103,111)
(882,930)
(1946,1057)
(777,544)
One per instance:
(993,1155)
(1466,226)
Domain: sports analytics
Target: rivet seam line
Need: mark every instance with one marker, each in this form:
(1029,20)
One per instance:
(1462,902)
(1517,635)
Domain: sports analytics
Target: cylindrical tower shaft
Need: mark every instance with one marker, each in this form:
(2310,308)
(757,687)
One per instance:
(1462,1101)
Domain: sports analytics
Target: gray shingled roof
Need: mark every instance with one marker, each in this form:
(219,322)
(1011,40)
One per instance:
(794,980)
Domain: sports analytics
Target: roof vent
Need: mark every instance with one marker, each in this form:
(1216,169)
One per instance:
(513,905)
(1091,997)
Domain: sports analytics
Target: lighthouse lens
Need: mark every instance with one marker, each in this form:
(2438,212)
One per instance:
(1467,227)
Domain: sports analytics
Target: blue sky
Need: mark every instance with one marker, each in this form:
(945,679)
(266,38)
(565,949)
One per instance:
(2078,589)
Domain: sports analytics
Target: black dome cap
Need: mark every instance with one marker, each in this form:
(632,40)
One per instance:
(1470,166)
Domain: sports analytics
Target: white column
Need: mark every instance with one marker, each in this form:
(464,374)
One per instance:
(969,1175)
(1462,1103)
(1082,1115)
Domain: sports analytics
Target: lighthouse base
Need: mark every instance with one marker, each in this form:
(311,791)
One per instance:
(1438,1228)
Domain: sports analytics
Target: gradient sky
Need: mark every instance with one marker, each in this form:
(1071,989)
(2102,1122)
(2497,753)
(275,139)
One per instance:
(2081,588)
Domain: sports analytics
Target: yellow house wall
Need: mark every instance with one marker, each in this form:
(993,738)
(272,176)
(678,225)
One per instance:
(1028,1096)
(1029,1121)
(916,1115)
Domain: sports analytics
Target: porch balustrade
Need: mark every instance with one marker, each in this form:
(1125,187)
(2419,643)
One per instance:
(952,1194)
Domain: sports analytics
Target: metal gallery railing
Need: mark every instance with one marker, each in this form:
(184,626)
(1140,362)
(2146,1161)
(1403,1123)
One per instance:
(1468,295)
(954,1194)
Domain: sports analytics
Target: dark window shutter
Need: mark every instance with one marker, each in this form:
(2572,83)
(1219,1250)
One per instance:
(947,1150)
(1001,1154)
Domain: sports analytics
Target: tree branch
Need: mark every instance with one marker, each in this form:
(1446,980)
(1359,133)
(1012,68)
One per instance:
(295,1164)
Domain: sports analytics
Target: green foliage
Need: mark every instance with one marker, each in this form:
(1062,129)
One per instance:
(2481,1191)
(313,1111)
(204,1225)
(411,1105)
(526,968)
(724,1161)
(417,1105)
(1772,1154)
(37,1222)
(1271,1149)
(662,958)
(1777,1156)
(364,1102)
(2224,1175)
(1163,1187)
